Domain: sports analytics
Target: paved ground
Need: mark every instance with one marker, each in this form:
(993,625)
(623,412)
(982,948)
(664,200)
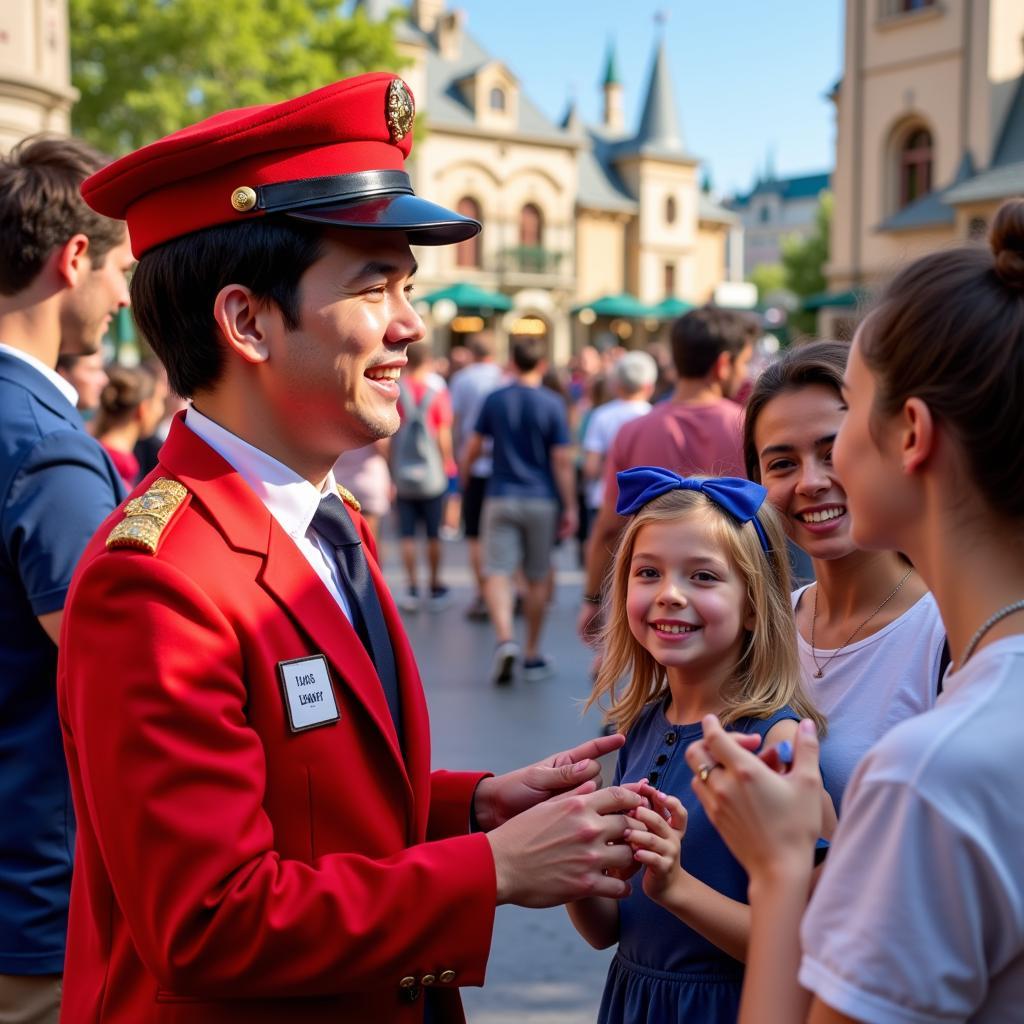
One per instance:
(541,971)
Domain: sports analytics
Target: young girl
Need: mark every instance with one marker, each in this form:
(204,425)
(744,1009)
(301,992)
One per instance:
(700,621)
(868,632)
(918,915)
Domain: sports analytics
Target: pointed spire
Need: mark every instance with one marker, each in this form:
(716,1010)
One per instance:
(571,122)
(611,71)
(659,125)
(769,166)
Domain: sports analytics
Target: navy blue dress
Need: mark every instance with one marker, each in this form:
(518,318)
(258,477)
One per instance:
(664,971)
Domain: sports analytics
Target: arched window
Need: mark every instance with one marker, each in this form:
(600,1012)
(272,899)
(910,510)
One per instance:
(468,253)
(915,166)
(531,226)
(497,99)
(531,238)
(670,210)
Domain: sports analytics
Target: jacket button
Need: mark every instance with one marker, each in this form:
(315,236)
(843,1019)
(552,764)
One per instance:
(427,979)
(407,982)
(447,977)
(670,738)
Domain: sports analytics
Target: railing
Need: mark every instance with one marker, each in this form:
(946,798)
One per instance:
(529,259)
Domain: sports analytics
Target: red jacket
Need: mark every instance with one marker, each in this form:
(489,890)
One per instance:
(227,868)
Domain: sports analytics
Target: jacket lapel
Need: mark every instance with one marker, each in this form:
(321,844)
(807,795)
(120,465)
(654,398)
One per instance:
(247,525)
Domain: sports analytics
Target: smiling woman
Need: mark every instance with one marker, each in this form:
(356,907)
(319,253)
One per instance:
(869,635)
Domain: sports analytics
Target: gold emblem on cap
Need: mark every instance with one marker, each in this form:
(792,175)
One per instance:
(243,199)
(400,110)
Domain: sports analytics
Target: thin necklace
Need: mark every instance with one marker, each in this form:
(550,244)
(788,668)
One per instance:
(986,626)
(847,641)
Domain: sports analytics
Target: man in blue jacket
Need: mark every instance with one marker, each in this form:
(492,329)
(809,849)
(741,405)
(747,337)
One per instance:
(62,278)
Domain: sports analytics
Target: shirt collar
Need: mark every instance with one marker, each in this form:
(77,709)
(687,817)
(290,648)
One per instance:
(64,386)
(288,497)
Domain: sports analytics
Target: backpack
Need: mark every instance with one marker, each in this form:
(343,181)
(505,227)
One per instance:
(417,467)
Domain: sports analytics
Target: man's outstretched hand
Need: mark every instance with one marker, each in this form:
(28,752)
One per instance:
(502,797)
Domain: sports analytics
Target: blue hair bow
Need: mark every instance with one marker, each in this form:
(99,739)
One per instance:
(740,498)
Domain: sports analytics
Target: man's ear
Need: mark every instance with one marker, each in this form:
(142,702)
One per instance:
(916,434)
(240,319)
(73,261)
(721,370)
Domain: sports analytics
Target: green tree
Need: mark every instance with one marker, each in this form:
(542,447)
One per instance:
(148,67)
(769,278)
(804,262)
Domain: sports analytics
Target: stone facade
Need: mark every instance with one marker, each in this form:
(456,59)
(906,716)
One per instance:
(35,69)
(930,135)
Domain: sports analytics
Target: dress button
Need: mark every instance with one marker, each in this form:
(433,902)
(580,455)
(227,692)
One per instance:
(652,778)
(661,759)
(407,982)
(670,738)
(427,979)
(447,977)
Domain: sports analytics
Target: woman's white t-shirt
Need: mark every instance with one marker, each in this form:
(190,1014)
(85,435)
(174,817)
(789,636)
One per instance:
(872,684)
(919,914)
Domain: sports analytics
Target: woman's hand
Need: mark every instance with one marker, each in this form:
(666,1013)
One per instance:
(769,821)
(658,848)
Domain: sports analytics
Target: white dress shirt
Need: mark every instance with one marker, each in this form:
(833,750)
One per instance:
(66,388)
(288,497)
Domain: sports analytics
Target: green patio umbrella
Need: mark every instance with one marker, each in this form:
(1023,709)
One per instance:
(670,309)
(469,296)
(620,305)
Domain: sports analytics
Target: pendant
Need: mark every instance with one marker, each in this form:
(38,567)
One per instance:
(817,675)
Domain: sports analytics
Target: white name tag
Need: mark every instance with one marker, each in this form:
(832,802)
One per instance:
(308,693)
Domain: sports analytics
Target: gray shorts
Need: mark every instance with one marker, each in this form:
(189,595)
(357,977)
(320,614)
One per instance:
(519,532)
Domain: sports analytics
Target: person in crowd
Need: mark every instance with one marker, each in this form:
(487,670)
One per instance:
(62,277)
(598,395)
(699,621)
(86,373)
(421,462)
(260,834)
(869,634)
(698,431)
(632,378)
(530,502)
(917,915)
(366,474)
(131,408)
(468,389)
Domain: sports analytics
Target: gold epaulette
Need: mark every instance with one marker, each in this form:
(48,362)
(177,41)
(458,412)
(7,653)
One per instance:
(349,498)
(146,517)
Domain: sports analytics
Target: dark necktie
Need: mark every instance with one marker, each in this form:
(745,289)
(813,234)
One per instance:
(333,523)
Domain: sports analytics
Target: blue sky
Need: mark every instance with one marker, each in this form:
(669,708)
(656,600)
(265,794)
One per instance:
(750,76)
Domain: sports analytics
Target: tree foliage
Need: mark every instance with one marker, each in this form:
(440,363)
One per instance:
(148,67)
(769,278)
(804,260)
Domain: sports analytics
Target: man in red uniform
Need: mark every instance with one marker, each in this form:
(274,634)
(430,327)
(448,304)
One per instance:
(260,835)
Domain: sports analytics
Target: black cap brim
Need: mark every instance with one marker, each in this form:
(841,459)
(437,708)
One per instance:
(424,223)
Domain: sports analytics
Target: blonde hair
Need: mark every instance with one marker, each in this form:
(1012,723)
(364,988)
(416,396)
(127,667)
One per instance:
(767,675)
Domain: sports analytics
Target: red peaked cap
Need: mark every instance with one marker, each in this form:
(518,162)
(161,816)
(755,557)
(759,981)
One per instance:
(335,155)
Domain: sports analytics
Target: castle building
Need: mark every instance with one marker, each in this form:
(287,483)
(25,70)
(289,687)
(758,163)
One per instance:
(587,228)
(35,69)
(774,210)
(930,136)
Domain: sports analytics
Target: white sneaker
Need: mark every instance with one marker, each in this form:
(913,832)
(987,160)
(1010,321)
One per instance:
(505,656)
(409,601)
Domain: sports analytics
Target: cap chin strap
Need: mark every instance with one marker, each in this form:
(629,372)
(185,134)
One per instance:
(335,188)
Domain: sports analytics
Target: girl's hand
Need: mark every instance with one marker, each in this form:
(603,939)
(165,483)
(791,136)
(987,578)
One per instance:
(769,821)
(658,848)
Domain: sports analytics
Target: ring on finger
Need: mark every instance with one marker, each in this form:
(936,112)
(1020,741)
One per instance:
(706,769)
